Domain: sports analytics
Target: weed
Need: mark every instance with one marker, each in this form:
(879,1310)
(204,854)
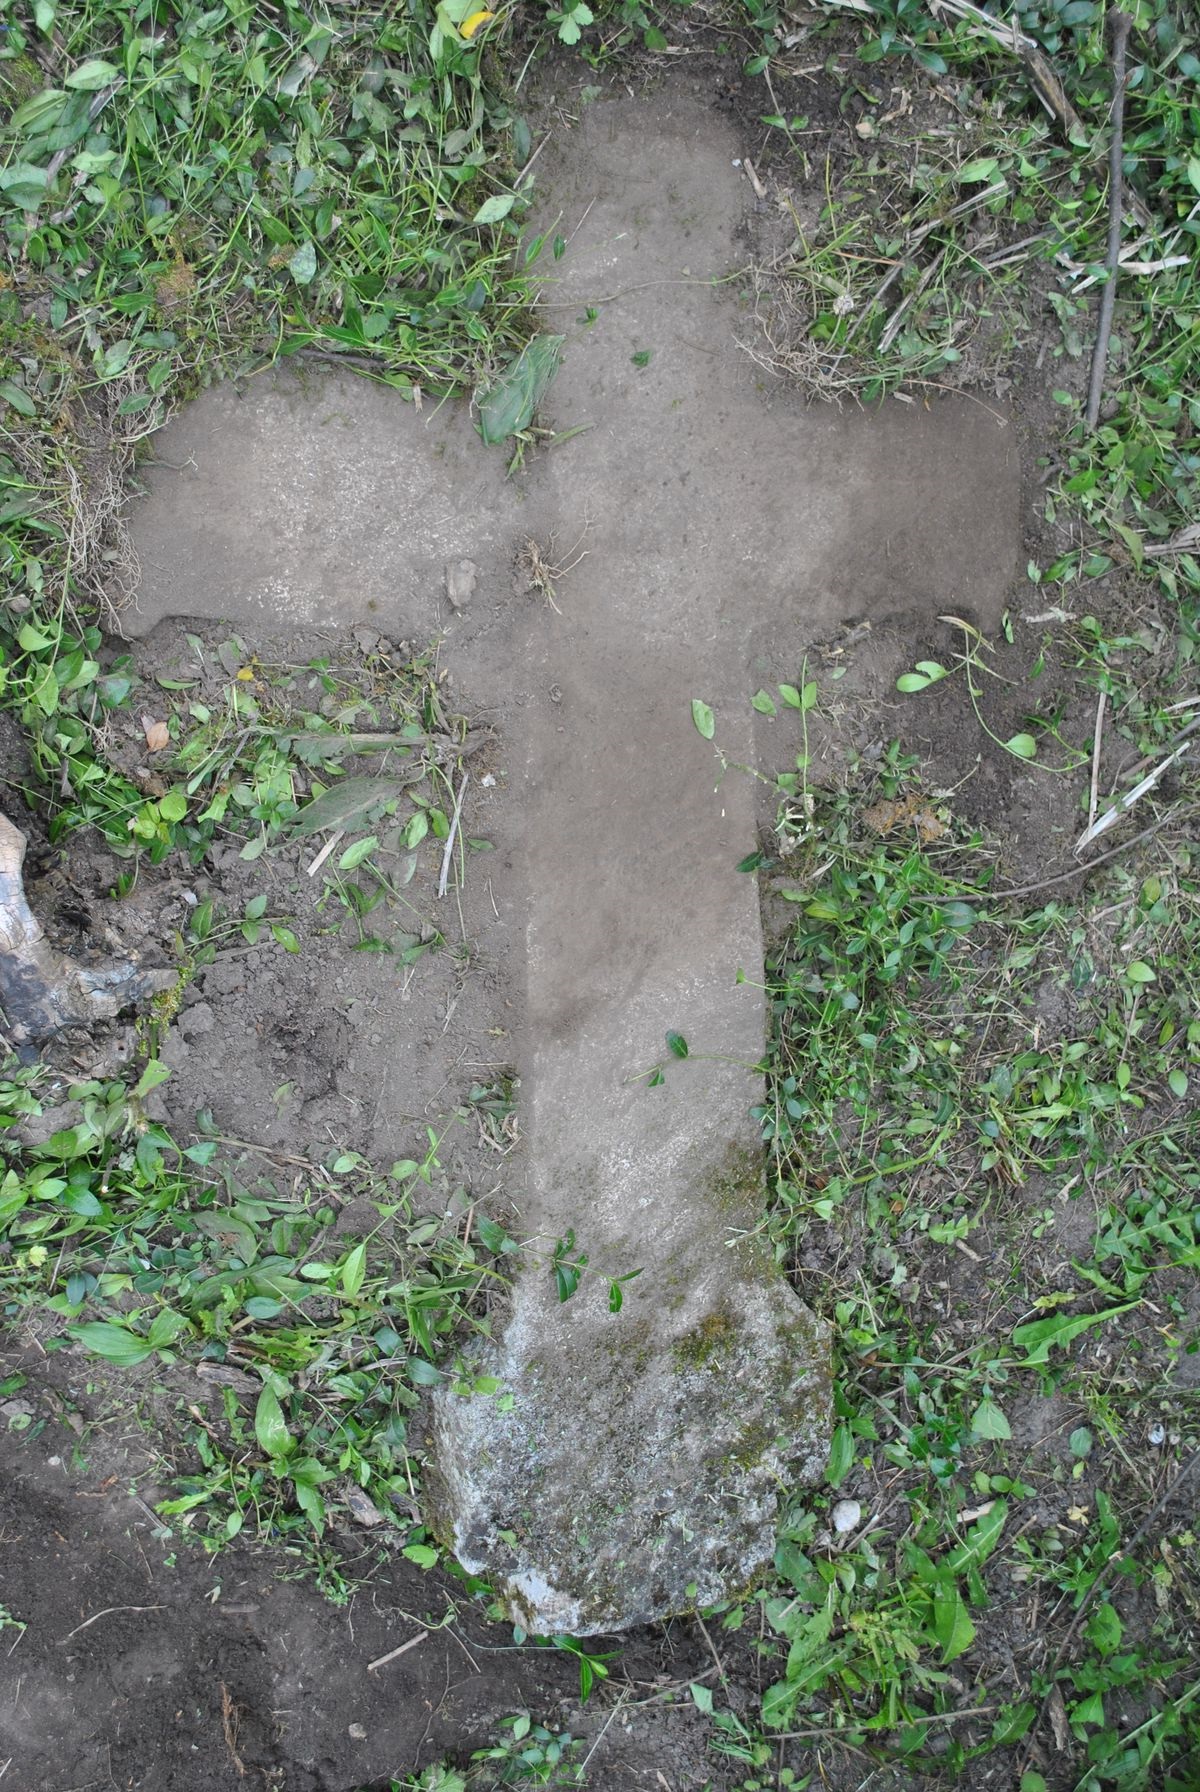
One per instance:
(540,568)
(910,1103)
(134,1249)
(531,1755)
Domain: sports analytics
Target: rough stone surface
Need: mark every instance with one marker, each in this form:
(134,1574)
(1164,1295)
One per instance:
(635,1465)
(460,583)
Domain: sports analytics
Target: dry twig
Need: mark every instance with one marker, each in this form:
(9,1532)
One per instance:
(1122,806)
(381,1661)
(1093,797)
(1061,877)
(1121,24)
(229,1727)
(542,572)
(108,1612)
(448,853)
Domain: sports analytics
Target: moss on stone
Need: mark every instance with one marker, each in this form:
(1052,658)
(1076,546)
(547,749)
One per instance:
(716,1331)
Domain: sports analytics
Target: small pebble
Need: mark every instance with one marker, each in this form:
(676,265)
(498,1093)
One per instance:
(358,1733)
(847,1516)
(460,582)
(1158,1436)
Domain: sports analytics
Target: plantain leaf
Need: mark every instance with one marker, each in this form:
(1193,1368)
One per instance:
(349,802)
(113,1342)
(270,1427)
(512,401)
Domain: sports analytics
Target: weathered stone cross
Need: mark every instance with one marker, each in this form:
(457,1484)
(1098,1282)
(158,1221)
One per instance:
(635,1468)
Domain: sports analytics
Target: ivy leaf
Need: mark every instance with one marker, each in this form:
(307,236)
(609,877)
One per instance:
(702,715)
(492,1235)
(1023,745)
(988,1421)
(1105,1630)
(155,1073)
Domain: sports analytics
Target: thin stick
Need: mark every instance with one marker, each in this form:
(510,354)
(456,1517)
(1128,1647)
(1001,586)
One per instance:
(1121,23)
(1059,877)
(622,1700)
(452,835)
(382,1660)
(930,1717)
(325,851)
(229,1727)
(1113,815)
(1180,543)
(712,1649)
(1094,798)
(1149,757)
(107,1613)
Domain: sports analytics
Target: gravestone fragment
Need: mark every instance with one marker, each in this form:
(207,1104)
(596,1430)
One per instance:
(634,1463)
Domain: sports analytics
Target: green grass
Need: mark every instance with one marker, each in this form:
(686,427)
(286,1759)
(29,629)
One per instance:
(142,1251)
(957,1081)
(984,1154)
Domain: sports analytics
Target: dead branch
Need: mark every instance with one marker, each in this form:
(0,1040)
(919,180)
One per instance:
(1121,26)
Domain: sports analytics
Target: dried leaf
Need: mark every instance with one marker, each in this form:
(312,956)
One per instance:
(362,1509)
(157,734)
(884,817)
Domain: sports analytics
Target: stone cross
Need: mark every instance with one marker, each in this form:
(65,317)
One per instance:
(635,1465)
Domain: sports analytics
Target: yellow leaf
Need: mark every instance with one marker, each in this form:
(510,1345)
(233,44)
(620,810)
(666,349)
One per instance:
(246,675)
(470,26)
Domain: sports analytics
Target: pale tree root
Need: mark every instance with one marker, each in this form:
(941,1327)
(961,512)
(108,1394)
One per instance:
(41,989)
